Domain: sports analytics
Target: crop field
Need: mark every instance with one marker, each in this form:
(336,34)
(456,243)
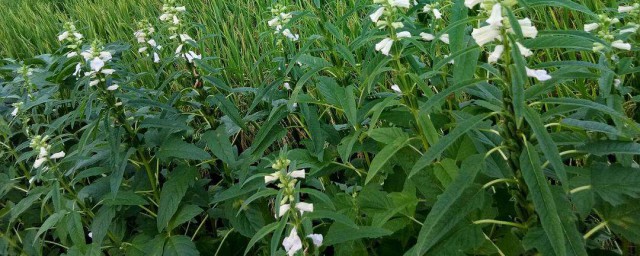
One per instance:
(319,127)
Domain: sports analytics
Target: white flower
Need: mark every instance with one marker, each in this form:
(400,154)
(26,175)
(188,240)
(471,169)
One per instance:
(485,35)
(445,38)
(427,36)
(165,16)
(384,46)
(283,209)
(403,34)
(38,162)
(437,14)
(78,69)
(271,177)
(631,29)
(113,87)
(528,30)
(471,3)
(142,49)
(185,37)
(496,54)
(43,152)
(539,74)
(97,64)
(60,154)
(591,26)
(396,25)
(621,45)
(94,82)
(496,16)
(524,50)
(86,55)
(78,35)
(192,56)
(304,207)
(316,238)
(15,111)
(298,174)
(72,54)
(108,71)
(63,36)
(90,234)
(396,88)
(292,243)
(400,3)
(375,16)
(625,8)
(105,56)
(176,20)
(291,36)
(181,8)
(152,42)
(179,49)
(156,57)
(617,83)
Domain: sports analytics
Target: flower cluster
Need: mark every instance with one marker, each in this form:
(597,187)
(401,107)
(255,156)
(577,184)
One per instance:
(72,38)
(281,18)
(603,26)
(385,16)
(287,185)
(145,30)
(39,144)
(497,26)
(434,9)
(173,15)
(98,58)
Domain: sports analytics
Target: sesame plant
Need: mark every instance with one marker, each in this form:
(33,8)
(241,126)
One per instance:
(313,127)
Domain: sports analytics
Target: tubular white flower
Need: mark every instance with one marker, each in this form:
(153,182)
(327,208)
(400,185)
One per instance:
(185,37)
(63,36)
(485,35)
(113,87)
(15,111)
(94,82)
(524,50)
(181,8)
(304,207)
(539,74)
(316,239)
(292,243)
(471,3)
(191,55)
(403,34)
(375,16)
(384,46)
(179,49)
(78,69)
(291,36)
(38,162)
(591,26)
(284,208)
(72,54)
(60,154)
(445,38)
(108,71)
(528,30)
(156,57)
(271,177)
(496,54)
(43,152)
(396,88)
(632,29)
(437,14)
(621,45)
(105,56)
(496,16)
(400,3)
(298,174)
(625,8)
(427,36)
(96,64)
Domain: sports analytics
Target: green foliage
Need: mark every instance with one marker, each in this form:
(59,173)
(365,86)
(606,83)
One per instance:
(317,128)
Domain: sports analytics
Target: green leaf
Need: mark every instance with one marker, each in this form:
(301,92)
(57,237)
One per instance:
(116,176)
(264,231)
(339,233)
(592,126)
(560,3)
(101,223)
(446,141)
(606,147)
(50,222)
(172,193)
(184,214)
(615,184)
(547,145)
(175,147)
(452,206)
(542,198)
(180,246)
(387,135)
(229,109)
(384,155)
(220,146)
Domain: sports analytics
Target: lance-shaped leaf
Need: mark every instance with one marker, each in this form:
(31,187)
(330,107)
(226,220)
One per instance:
(172,193)
(542,198)
(384,155)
